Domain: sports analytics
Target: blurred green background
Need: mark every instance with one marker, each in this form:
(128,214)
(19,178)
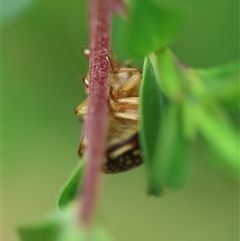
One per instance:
(42,68)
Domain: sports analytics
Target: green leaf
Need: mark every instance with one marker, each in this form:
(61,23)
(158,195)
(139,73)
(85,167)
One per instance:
(164,145)
(223,72)
(204,97)
(169,74)
(222,82)
(169,163)
(179,162)
(63,226)
(151,25)
(71,188)
(222,138)
(189,106)
(48,230)
(152,108)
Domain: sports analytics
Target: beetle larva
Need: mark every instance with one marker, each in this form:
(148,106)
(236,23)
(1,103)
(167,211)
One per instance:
(123,151)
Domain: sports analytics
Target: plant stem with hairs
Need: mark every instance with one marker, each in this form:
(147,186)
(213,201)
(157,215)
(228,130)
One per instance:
(96,125)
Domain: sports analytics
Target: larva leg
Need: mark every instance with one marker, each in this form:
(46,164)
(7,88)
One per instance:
(127,115)
(124,70)
(82,108)
(132,82)
(126,108)
(129,100)
(129,85)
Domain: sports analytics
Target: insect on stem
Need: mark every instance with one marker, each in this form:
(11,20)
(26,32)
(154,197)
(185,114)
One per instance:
(122,149)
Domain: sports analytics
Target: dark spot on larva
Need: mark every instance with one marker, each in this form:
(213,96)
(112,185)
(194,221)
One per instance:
(126,160)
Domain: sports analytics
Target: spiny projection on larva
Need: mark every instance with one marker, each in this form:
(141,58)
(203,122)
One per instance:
(123,151)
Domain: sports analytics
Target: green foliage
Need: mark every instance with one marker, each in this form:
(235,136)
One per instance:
(72,186)
(62,226)
(180,107)
(169,167)
(164,147)
(222,84)
(168,73)
(178,104)
(222,138)
(47,230)
(193,113)
(153,107)
(150,26)
(215,114)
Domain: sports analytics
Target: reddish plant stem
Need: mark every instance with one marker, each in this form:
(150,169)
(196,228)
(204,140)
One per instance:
(97,117)
(96,125)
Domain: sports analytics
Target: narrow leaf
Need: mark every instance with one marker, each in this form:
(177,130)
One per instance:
(167,137)
(222,138)
(189,106)
(168,73)
(222,82)
(170,161)
(152,107)
(72,186)
(179,163)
